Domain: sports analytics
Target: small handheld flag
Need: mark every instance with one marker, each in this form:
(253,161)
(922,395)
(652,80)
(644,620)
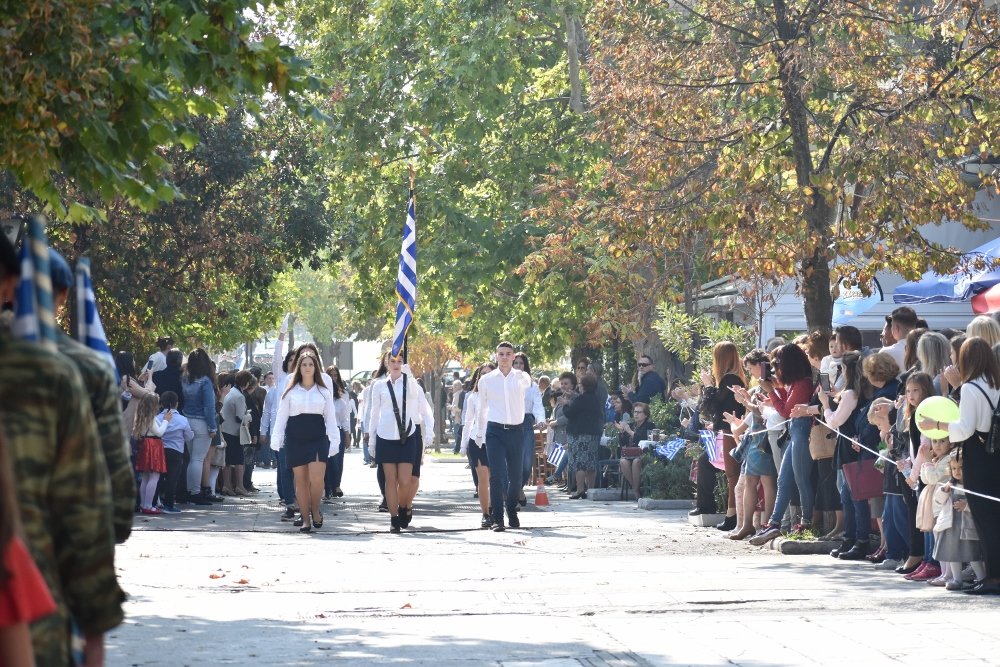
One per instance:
(406,279)
(90,331)
(669,450)
(557,455)
(34,319)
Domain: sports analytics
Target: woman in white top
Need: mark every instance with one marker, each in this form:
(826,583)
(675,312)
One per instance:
(307,427)
(980,374)
(476,451)
(395,404)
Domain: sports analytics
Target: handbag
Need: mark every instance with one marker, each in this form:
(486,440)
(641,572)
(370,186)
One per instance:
(245,438)
(863,479)
(822,442)
(631,452)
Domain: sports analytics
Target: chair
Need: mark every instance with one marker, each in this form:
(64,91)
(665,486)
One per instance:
(610,467)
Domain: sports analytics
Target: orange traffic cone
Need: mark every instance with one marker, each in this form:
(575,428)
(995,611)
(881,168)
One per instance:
(541,496)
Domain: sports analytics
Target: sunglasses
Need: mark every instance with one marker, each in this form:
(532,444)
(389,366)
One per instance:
(644,364)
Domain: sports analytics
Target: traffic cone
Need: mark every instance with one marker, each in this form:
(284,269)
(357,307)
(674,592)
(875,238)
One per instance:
(541,496)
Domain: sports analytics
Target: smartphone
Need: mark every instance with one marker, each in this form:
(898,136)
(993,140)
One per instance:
(149,364)
(824,382)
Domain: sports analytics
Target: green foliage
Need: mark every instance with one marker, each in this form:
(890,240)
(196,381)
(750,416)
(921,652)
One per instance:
(323,301)
(666,480)
(666,415)
(691,337)
(94,89)
(474,97)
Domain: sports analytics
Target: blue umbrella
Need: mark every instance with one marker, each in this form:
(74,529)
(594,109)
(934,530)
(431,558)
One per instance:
(956,286)
(853,302)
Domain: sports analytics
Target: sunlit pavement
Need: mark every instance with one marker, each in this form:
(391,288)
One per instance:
(582,583)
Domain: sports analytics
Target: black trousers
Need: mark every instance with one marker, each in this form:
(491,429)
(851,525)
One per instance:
(981,472)
(916,535)
(175,471)
(706,485)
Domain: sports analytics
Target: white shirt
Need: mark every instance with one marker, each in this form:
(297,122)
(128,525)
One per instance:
(469,415)
(897,351)
(501,399)
(156,362)
(533,403)
(301,401)
(270,412)
(974,411)
(382,418)
(343,407)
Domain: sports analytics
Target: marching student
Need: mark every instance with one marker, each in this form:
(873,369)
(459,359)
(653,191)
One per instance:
(394,402)
(306,426)
(476,451)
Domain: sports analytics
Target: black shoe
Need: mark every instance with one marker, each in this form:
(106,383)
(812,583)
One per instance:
(383,506)
(728,523)
(523,501)
(199,499)
(475,495)
(982,588)
(394,524)
(405,515)
(339,493)
(857,552)
(298,522)
(498,528)
(289,513)
(696,512)
(512,518)
(487,521)
(845,546)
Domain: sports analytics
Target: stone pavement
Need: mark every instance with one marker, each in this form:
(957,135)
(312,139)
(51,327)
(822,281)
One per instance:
(583,583)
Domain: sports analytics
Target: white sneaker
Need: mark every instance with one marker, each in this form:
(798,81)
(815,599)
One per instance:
(888,564)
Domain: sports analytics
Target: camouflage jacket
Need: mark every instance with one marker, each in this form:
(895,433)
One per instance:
(105,401)
(63,491)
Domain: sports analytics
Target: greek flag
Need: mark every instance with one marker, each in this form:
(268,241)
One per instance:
(406,280)
(707,439)
(90,331)
(34,320)
(241,356)
(557,455)
(668,450)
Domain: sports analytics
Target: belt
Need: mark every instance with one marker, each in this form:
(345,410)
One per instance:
(505,427)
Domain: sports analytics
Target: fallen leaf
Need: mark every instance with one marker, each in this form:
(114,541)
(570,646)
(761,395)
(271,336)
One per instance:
(243,581)
(216,575)
(320,615)
(407,606)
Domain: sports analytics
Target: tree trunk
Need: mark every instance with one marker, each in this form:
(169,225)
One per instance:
(815,268)
(573,26)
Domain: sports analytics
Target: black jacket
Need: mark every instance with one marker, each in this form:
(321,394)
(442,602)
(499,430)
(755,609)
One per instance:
(585,414)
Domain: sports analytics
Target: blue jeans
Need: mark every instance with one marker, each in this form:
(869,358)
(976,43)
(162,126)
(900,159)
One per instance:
(796,472)
(286,483)
(929,548)
(456,430)
(857,513)
(895,528)
(503,447)
(528,453)
(368,457)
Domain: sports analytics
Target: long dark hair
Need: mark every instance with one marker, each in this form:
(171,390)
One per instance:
(9,523)
(297,374)
(200,365)
(792,364)
(523,357)
(339,388)
(125,363)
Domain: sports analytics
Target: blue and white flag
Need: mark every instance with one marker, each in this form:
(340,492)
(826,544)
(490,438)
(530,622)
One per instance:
(89,330)
(669,450)
(406,280)
(707,439)
(557,455)
(34,318)
(241,356)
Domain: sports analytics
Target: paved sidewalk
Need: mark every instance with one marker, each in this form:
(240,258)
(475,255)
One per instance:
(583,583)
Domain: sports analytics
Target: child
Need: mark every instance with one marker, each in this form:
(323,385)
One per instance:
(955,538)
(176,436)
(150,460)
(932,472)
(24,597)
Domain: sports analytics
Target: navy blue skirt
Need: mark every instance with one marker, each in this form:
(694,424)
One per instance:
(477,455)
(305,440)
(396,451)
